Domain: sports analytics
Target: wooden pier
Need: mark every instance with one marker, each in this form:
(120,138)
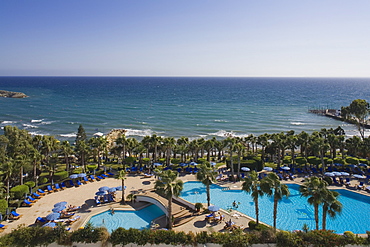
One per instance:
(335,114)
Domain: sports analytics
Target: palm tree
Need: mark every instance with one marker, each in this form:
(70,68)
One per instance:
(251,185)
(169,185)
(230,143)
(207,175)
(272,186)
(122,142)
(155,141)
(122,176)
(66,150)
(239,149)
(330,206)
(168,143)
(315,189)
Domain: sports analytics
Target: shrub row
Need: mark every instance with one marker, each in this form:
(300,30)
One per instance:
(36,236)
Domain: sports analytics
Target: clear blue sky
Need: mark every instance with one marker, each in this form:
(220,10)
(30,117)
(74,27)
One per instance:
(185,38)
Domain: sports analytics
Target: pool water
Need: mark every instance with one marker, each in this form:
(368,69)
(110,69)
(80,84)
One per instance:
(293,212)
(127,219)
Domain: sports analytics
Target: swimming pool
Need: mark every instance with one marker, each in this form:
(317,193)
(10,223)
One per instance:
(292,213)
(127,218)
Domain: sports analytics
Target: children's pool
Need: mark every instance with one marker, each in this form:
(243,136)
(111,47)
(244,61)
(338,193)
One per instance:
(127,219)
(293,212)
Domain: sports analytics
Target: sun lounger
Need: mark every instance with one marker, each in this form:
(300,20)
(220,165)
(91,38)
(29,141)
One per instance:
(31,199)
(348,182)
(63,185)
(104,176)
(66,215)
(85,180)
(71,183)
(14,215)
(73,209)
(148,175)
(73,220)
(27,203)
(92,178)
(57,187)
(49,188)
(360,186)
(36,196)
(99,178)
(78,183)
(41,192)
(2,227)
(40,220)
(110,174)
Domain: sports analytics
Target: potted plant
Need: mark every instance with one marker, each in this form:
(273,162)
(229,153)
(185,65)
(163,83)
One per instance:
(198,206)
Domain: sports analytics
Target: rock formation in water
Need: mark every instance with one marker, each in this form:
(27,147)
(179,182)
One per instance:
(8,94)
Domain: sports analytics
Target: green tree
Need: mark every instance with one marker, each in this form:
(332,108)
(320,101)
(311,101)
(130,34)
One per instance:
(315,189)
(272,186)
(358,111)
(330,205)
(122,176)
(81,134)
(251,185)
(169,185)
(206,175)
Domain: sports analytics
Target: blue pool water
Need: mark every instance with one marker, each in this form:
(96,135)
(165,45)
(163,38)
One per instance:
(127,219)
(293,212)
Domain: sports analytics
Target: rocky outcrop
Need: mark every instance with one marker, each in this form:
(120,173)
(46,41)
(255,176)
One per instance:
(113,135)
(9,94)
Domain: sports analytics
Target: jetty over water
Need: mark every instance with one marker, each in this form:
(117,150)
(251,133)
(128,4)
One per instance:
(334,113)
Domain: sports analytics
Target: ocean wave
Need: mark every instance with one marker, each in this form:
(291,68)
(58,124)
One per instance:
(98,134)
(35,133)
(36,120)
(134,132)
(47,122)
(68,135)
(8,122)
(221,121)
(297,123)
(29,126)
(223,133)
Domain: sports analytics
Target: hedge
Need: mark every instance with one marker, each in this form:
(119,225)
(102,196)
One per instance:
(59,176)
(19,191)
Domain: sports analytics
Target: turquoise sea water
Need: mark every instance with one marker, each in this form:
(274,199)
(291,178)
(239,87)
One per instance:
(127,219)
(293,211)
(173,106)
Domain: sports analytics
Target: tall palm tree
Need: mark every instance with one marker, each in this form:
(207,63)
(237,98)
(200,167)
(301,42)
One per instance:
(272,186)
(155,141)
(121,141)
(251,185)
(315,189)
(239,149)
(207,175)
(66,150)
(169,185)
(168,144)
(230,143)
(122,176)
(330,206)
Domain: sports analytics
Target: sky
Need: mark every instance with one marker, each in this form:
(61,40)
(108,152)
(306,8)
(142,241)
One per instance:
(312,38)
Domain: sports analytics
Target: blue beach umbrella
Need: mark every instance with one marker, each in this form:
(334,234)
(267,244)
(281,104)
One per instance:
(285,168)
(213,163)
(112,189)
(359,176)
(58,209)
(246,169)
(157,164)
(183,164)
(58,204)
(213,208)
(337,173)
(329,174)
(50,224)
(104,188)
(119,188)
(345,173)
(193,163)
(100,193)
(73,176)
(267,168)
(53,216)
(81,175)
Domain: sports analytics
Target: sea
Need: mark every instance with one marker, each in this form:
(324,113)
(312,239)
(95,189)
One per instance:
(195,107)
